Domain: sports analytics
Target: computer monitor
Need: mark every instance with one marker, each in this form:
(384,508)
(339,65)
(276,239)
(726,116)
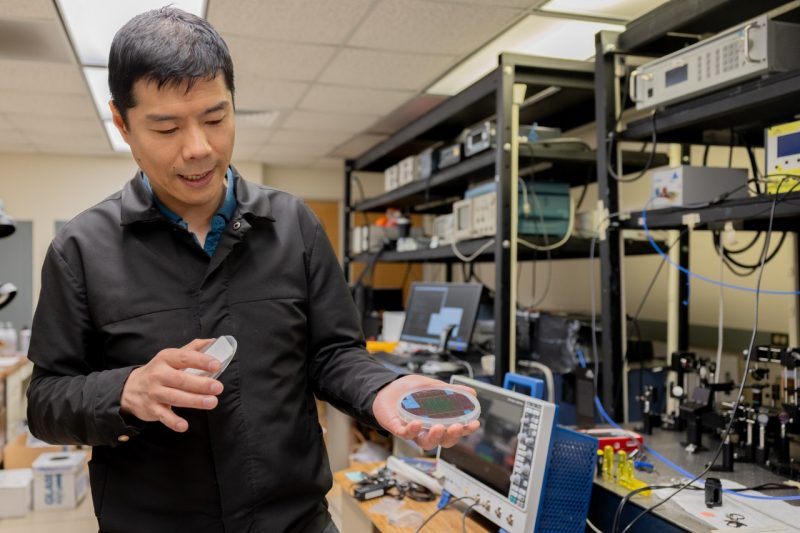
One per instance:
(502,465)
(432,307)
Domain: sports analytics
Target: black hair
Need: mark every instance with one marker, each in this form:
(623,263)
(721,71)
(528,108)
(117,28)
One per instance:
(169,47)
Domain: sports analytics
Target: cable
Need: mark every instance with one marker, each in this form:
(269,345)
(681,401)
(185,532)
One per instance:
(567,235)
(751,345)
(720,314)
(437,511)
(592,526)
(362,196)
(549,271)
(548,377)
(474,256)
(647,164)
(464,517)
(688,272)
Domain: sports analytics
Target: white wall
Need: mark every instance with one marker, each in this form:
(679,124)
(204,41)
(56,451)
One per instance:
(320,184)
(48,188)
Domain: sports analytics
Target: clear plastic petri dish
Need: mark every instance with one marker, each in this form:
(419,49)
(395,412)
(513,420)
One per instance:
(438,405)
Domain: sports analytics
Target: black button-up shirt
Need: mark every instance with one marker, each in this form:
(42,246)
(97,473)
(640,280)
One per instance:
(120,283)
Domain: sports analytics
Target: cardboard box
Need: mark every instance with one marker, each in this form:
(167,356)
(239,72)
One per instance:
(17,453)
(15,492)
(59,480)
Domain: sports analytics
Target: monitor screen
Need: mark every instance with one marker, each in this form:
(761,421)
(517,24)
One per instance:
(488,454)
(434,306)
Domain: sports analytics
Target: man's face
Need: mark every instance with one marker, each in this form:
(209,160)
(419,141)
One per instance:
(182,140)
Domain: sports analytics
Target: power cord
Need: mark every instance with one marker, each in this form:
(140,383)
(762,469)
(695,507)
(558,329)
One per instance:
(437,511)
(474,256)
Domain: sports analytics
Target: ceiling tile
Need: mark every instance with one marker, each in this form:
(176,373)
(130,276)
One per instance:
(47,104)
(307,150)
(258,136)
(42,125)
(28,9)
(389,70)
(519,4)
(304,137)
(34,40)
(278,61)
(419,26)
(245,152)
(77,145)
(312,120)
(41,77)
(353,100)
(5,123)
(357,145)
(305,21)
(284,159)
(331,163)
(9,136)
(407,113)
(254,93)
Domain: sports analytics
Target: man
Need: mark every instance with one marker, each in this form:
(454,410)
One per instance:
(134,288)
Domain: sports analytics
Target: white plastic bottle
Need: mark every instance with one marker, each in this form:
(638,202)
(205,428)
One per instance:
(5,341)
(24,339)
(12,338)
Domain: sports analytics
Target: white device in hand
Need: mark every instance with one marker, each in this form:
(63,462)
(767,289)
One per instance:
(222,349)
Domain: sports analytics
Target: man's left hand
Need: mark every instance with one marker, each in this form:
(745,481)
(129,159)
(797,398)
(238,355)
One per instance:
(385,410)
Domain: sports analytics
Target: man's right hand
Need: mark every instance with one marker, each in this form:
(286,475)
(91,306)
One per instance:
(152,390)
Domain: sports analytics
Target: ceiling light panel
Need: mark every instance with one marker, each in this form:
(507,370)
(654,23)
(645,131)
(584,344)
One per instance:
(614,9)
(92,24)
(117,142)
(534,35)
(97,78)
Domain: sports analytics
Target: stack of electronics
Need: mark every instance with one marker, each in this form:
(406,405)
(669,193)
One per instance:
(472,141)
(544,209)
(439,320)
(749,50)
(519,469)
(370,239)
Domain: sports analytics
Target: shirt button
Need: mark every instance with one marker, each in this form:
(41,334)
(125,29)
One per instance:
(237,225)
(123,438)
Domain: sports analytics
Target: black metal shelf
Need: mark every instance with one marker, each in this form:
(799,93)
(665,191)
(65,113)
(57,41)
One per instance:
(752,214)
(572,103)
(749,107)
(436,194)
(575,248)
(559,94)
(677,23)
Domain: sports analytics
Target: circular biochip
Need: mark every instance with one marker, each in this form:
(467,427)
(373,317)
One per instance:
(438,405)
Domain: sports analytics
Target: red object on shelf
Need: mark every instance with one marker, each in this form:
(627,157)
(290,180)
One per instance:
(619,439)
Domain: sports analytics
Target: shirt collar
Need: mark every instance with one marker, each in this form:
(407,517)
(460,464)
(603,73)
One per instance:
(137,203)
(226,211)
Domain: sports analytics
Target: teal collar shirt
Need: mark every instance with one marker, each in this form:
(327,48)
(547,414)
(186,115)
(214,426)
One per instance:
(218,221)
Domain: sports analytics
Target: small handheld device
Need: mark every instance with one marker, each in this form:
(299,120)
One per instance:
(438,405)
(223,350)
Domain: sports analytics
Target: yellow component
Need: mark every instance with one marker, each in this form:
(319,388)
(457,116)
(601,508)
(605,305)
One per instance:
(608,463)
(622,467)
(628,480)
(777,180)
(378,346)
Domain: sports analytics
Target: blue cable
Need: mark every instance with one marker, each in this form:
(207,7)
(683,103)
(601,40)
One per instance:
(688,272)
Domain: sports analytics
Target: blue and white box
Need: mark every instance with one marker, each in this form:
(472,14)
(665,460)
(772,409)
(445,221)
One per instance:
(59,480)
